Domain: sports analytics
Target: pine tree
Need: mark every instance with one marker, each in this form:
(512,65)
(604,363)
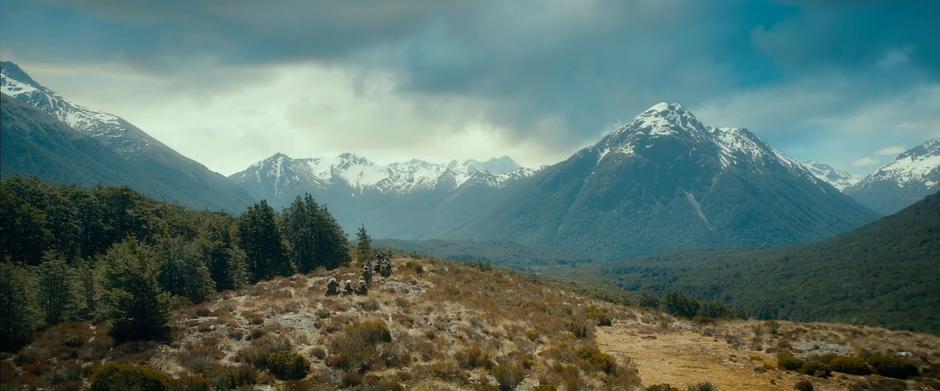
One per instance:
(57,288)
(227,262)
(261,240)
(18,315)
(133,292)
(301,228)
(182,272)
(331,240)
(364,247)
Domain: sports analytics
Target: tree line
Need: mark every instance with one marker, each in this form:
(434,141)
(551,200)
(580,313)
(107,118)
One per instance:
(70,253)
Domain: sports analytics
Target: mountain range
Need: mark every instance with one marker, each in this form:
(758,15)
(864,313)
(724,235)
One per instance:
(664,172)
(49,136)
(664,182)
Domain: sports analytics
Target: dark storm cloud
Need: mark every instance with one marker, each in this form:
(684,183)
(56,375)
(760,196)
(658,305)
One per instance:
(559,72)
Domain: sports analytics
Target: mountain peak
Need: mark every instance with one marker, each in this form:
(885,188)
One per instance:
(665,119)
(13,71)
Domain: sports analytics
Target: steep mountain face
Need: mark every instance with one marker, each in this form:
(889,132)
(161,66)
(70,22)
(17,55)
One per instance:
(884,273)
(913,175)
(195,185)
(407,200)
(665,182)
(837,178)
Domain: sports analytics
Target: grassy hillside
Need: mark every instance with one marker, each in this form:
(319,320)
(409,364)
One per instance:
(885,273)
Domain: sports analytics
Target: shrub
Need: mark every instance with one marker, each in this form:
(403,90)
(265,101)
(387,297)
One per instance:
(600,316)
(702,387)
(129,377)
(803,385)
(190,383)
(288,366)
(789,362)
(509,373)
(473,357)
(661,387)
(714,310)
(591,358)
(357,347)
(891,366)
(852,365)
(257,354)
(814,368)
(680,304)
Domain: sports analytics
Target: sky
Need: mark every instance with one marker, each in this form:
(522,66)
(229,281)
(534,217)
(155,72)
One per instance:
(850,83)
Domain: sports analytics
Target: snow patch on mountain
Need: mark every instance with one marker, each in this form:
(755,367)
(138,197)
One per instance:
(919,165)
(107,128)
(361,175)
(837,178)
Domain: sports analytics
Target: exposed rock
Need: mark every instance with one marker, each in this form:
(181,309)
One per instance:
(809,349)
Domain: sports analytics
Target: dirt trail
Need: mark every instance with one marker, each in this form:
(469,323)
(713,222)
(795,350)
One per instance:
(680,358)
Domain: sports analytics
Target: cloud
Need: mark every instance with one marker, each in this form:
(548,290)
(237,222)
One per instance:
(535,78)
(891,151)
(864,162)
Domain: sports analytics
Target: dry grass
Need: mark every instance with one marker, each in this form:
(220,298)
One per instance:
(433,325)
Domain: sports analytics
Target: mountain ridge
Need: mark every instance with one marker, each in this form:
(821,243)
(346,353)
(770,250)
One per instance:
(183,179)
(667,172)
(912,175)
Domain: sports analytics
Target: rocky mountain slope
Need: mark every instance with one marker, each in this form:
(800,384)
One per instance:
(665,182)
(160,167)
(837,178)
(913,175)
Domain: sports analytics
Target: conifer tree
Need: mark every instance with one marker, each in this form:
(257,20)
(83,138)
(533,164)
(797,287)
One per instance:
(18,315)
(133,292)
(364,246)
(331,241)
(301,228)
(181,271)
(57,288)
(261,240)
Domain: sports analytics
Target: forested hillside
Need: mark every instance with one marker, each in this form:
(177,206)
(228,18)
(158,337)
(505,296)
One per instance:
(885,273)
(111,253)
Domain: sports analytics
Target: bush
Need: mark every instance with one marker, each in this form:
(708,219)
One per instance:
(591,358)
(891,366)
(803,385)
(357,347)
(473,357)
(509,373)
(852,365)
(789,362)
(714,310)
(680,304)
(288,366)
(702,387)
(257,354)
(661,387)
(814,368)
(129,377)
(600,316)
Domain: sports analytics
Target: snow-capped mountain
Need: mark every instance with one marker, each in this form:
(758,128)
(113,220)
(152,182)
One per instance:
(280,176)
(837,178)
(665,182)
(109,129)
(913,175)
(149,166)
